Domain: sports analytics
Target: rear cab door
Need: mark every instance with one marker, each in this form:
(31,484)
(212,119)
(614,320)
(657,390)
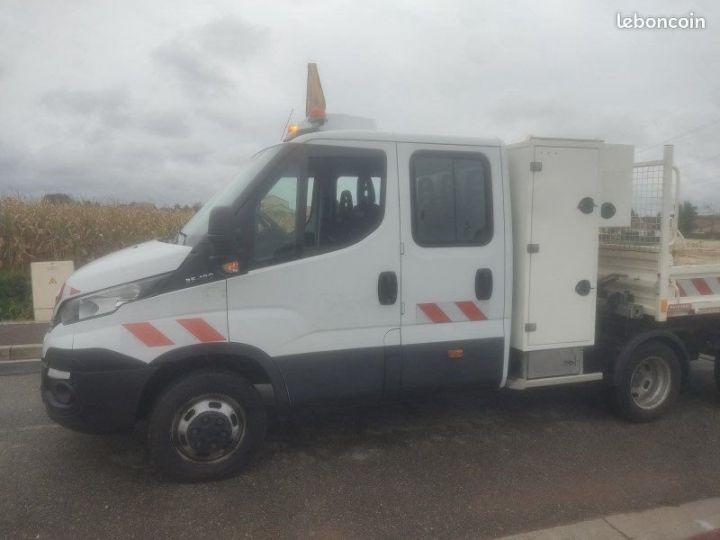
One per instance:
(455,262)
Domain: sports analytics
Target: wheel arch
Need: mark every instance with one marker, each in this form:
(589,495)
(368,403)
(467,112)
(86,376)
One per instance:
(250,362)
(670,339)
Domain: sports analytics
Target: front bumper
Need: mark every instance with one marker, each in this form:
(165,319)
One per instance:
(93,390)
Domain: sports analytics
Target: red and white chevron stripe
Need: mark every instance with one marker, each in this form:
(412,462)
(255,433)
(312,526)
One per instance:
(703,286)
(445,312)
(150,336)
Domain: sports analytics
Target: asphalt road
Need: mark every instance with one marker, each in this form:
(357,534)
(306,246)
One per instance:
(449,465)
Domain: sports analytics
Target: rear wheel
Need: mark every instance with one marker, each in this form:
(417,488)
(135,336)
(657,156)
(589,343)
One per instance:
(206,426)
(650,383)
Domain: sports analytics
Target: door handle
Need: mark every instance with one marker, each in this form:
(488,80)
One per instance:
(387,288)
(483,284)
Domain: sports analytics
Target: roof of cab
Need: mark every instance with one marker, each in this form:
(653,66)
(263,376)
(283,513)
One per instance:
(353,135)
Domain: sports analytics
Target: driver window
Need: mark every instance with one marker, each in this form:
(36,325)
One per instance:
(275,223)
(325,202)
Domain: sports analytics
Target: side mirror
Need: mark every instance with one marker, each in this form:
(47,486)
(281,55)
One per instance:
(220,232)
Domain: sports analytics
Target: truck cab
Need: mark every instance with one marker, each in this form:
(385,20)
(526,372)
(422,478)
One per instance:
(342,264)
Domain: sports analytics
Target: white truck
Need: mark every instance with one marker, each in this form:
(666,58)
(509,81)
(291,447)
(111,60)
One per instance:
(361,264)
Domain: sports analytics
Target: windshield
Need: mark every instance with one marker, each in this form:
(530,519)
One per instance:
(196,228)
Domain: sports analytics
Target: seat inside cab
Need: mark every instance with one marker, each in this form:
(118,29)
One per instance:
(345,200)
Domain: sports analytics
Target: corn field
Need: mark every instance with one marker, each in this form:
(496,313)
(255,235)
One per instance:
(33,230)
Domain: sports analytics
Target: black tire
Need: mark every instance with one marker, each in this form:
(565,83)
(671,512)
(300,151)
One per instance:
(204,399)
(638,403)
(717,370)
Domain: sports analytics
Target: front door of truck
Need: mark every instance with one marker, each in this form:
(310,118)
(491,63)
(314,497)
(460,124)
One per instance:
(321,297)
(453,266)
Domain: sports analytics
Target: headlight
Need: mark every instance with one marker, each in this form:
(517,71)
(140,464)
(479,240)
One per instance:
(104,302)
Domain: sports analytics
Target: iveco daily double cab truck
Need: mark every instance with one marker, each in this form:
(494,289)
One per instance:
(361,264)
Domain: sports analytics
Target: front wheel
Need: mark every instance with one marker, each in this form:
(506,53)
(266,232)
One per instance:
(206,425)
(649,385)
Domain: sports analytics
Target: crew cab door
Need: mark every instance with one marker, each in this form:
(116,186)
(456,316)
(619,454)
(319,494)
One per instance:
(321,295)
(453,265)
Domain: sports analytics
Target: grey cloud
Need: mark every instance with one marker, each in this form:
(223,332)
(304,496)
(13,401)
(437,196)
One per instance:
(13,177)
(129,174)
(197,87)
(167,124)
(231,38)
(199,76)
(517,116)
(11,160)
(518,108)
(200,60)
(110,107)
(139,157)
(113,110)
(194,154)
(229,120)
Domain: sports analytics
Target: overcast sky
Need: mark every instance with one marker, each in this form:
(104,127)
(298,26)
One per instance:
(161,100)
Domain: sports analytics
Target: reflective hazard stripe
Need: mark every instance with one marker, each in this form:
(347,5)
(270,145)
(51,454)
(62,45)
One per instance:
(202,331)
(471,311)
(704,286)
(150,336)
(434,313)
(445,312)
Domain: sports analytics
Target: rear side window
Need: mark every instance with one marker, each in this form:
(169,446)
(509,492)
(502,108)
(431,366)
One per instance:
(451,198)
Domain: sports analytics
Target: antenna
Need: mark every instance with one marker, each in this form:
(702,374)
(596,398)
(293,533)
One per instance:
(287,123)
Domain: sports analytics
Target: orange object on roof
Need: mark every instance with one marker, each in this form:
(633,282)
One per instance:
(315,100)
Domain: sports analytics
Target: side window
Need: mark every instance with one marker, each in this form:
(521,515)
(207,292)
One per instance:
(350,196)
(275,222)
(331,201)
(452,199)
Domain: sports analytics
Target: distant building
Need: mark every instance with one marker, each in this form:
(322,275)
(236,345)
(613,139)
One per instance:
(707,225)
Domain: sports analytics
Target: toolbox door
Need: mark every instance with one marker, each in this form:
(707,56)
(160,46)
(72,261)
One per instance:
(564,227)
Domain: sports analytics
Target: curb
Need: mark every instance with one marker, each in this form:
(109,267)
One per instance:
(698,520)
(9,353)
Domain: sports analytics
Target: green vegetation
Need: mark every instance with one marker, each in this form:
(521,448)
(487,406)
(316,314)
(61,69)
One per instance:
(687,218)
(32,231)
(58,228)
(15,296)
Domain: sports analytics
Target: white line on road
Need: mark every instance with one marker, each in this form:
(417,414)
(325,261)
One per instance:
(26,361)
(38,427)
